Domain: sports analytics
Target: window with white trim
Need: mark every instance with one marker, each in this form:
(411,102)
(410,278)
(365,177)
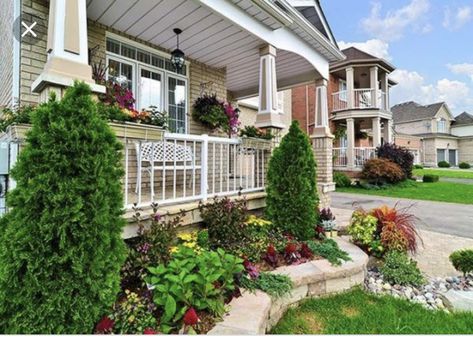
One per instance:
(152,79)
(342,88)
(442,125)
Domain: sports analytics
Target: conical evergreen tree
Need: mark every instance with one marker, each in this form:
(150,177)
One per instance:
(291,202)
(61,248)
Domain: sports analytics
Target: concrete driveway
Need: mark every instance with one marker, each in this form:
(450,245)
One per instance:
(441,217)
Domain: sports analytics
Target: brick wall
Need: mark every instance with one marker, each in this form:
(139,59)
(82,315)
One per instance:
(303,103)
(34,57)
(6,52)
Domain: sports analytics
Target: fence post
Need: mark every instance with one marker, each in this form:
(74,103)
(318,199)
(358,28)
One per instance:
(204,164)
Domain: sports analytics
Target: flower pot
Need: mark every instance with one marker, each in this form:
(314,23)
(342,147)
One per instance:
(331,234)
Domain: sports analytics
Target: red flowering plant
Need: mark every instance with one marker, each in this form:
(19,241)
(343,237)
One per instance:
(271,256)
(233,121)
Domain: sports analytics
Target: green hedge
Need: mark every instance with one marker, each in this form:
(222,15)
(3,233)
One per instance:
(462,260)
(444,164)
(430,178)
(341,179)
(464,166)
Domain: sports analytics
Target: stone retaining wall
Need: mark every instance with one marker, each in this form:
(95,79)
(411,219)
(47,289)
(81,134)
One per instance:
(256,313)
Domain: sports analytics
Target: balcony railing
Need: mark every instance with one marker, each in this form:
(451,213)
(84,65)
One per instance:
(185,168)
(360,156)
(363,99)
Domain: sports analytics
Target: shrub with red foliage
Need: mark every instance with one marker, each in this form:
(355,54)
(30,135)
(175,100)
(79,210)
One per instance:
(291,253)
(105,325)
(305,251)
(399,155)
(271,256)
(397,228)
(379,171)
(251,269)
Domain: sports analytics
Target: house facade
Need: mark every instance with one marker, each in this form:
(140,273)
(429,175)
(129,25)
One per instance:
(435,133)
(233,48)
(358,105)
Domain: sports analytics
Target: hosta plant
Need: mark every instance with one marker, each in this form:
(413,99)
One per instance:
(193,281)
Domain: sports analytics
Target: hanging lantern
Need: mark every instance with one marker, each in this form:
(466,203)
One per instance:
(177,55)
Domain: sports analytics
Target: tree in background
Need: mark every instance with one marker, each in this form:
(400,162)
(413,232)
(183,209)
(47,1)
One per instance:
(292,199)
(61,249)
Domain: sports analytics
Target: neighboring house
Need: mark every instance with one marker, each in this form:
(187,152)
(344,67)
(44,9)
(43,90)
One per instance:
(235,48)
(434,126)
(358,104)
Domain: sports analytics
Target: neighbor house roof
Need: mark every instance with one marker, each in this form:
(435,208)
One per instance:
(463,119)
(412,111)
(357,56)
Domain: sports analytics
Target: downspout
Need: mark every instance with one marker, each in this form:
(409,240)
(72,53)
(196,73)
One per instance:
(16,53)
(307,108)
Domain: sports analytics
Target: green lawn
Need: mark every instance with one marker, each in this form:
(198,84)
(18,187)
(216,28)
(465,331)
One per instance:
(463,174)
(357,312)
(440,191)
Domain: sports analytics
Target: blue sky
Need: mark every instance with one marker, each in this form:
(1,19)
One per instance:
(429,41)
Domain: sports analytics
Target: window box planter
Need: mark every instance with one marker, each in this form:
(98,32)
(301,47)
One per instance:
(17,132)
(256,143)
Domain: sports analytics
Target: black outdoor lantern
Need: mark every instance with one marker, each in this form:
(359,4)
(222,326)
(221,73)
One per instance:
(177,56)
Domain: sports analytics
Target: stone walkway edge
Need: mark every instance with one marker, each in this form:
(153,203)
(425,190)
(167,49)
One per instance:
(256,313)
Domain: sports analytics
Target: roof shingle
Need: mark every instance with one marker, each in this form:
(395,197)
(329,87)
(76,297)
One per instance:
(463,118)
(412,111)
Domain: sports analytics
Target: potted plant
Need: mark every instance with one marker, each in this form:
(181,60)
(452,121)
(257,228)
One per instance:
(328,222)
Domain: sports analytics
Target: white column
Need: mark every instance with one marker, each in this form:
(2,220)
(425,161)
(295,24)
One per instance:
(388,131)
(321,127)
(374,86)
(350,76)
(376,127)
(385,88)
(67,47)
(350,142)
(268,115)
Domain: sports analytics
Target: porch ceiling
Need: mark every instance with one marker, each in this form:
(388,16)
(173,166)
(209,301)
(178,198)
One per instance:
(207,37)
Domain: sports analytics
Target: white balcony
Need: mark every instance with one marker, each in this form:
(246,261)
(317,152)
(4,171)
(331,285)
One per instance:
(363,98)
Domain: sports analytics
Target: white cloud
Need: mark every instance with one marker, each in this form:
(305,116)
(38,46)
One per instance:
(455,19)
(374,47)
(462,69)
(392,25)
(413,87)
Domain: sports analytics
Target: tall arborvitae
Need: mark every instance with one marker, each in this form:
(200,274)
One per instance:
(61,249)
(292,199)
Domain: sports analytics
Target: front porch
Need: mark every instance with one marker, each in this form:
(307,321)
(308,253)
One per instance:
(234,49)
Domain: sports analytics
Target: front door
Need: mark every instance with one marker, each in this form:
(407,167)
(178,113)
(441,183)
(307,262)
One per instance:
(440,155)
(452,157)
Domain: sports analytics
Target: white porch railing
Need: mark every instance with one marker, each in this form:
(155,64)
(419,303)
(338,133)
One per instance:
(184,168)
(340,158)
(361,155)
(363,99)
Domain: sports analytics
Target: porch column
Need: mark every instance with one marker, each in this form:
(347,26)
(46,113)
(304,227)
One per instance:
(376,127)
(388,131)
(350,143)
(67,49)
(322,144)
(385,89)
(350,76)
(268,115)
(374,87)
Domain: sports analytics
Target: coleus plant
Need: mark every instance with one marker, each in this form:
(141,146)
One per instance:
(271,256)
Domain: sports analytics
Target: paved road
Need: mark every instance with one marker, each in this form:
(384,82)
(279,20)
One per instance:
(441,217)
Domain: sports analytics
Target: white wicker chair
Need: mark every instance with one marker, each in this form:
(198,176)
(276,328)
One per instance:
(162,156)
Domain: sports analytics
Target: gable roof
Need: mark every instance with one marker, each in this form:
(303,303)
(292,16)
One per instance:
(357,56)
(412,111)
(312,11)
(463,119)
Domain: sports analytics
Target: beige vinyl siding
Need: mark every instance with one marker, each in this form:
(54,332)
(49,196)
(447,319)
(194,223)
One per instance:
(6,52)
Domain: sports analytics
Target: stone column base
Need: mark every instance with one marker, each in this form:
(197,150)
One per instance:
(322,144)
(324,194)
